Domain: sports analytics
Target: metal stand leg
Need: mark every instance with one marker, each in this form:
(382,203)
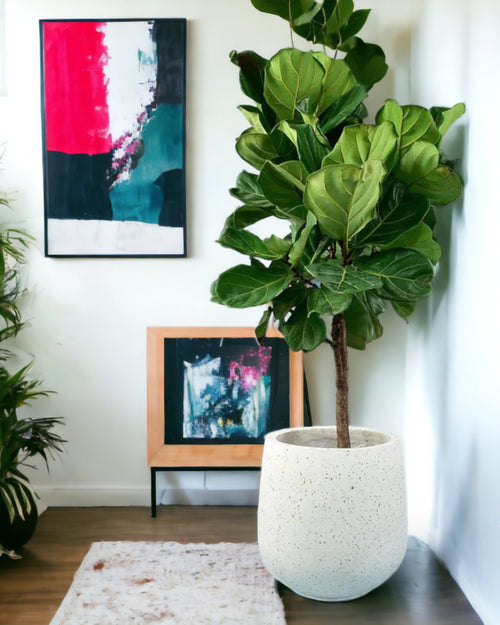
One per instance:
(153,492)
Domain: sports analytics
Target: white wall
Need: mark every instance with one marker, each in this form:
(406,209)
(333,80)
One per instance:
(453,363)
(89,315)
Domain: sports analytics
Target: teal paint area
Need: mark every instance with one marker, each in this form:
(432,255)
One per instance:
(141,197)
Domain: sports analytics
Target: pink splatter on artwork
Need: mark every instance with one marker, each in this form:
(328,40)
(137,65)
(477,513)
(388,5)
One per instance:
(249,374)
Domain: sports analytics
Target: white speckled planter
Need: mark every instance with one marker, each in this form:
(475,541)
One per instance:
(332,523)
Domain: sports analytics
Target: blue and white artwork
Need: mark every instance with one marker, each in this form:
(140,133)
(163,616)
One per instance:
(220,406)
(224,390)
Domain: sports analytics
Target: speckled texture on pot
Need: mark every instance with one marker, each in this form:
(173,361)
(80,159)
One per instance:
(332,523)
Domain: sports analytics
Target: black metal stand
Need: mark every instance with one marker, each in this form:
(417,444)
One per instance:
(154,471)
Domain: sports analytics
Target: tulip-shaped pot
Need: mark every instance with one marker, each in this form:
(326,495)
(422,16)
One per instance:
(332,523)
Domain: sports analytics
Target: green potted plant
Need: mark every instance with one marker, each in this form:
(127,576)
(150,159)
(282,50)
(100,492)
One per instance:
(358,200)
(21,437)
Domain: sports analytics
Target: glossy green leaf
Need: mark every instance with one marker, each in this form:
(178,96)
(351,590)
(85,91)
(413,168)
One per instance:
(297,249)
(291,297)
(283,145)
(441,186)
(419,239)
(444,118)
(354,25)
(284,8)
(363,142)
(412,123)
(246,216)
(399,212)
(403,309)
(343,279)
(337,81)
(340,15)
(366,61)
(261,328)
(244,286)
(418,161)
(246,242)
(362,323)
(252,68)
(341,108)
(256,148)
(326,302)
(254,117)
(283,184)
(292,77)
(302,331)
(310,148)
(248,191)
(405,274)
(344,197)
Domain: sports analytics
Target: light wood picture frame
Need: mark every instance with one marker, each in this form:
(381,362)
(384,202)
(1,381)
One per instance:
(213,437)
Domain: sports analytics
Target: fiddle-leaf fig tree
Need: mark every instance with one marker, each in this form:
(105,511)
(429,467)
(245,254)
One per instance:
(359,199)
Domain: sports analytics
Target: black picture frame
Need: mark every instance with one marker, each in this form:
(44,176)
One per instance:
(113,122)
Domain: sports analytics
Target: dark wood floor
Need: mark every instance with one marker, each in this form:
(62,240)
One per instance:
(31,589)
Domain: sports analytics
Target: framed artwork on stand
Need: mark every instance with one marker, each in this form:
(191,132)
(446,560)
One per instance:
(113,113)
(213,393)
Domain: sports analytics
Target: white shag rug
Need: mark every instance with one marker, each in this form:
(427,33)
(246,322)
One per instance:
(168,583)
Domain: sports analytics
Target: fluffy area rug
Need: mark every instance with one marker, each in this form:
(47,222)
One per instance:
(167,583)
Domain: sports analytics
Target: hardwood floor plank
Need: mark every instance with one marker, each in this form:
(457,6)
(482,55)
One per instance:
(31,589)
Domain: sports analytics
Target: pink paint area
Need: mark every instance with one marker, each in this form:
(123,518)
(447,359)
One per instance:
(76,106)
(249,375)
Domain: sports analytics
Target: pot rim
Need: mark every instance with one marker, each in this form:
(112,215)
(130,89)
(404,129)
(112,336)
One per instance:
(274,437)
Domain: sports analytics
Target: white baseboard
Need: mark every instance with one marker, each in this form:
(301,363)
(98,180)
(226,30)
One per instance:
(95,497)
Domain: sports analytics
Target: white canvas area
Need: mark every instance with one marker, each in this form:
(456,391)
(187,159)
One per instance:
(107,238)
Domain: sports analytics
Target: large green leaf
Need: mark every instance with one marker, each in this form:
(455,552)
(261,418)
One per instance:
(441,186)
(246,242)
(310,148)
(406,275)
(282,144)
(283,184)
(418,161)
(338,80)
(298,247)
(246,216)
(326,302)
(363,142)
(361,319)
(344,197)
(293,296)
(287,9)
(293,77)
(399,212)
(303,331)
(445,117)
(354,25)
(251,73)
(243,286)
(341,108)
(248,191)
(366,61)
(412,123)
(254,117)
(256,148)
(343,279)
(340,16)
(261,328)
(419,239)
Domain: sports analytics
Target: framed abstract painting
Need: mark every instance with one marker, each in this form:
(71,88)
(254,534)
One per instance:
(213,394)
(113,111)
